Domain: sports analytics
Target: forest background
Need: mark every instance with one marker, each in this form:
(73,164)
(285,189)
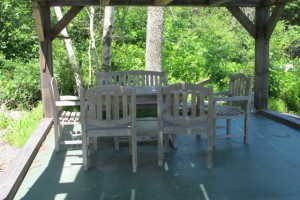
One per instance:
(198,43)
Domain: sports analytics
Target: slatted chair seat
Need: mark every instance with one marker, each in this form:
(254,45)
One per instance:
(229,111)
(67,117)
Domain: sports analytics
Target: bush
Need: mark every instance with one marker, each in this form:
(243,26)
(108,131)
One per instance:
(18,131)
(277,105)
(20,83)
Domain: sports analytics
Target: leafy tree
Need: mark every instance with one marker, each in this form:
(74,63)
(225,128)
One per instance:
(17,30)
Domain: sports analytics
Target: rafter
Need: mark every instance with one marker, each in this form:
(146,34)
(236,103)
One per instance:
(276,13)
(244,20)
(162,2)
(104,2)
(67,18)
(38,20)
(218,2)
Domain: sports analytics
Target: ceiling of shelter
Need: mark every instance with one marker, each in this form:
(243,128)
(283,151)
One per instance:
(223,3)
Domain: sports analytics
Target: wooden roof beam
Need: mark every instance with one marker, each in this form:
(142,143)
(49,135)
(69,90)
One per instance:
(274,2)
(38,20)
(276,13)
(244,20)
(67,18)
(162,2)
(104,2)
(218,2)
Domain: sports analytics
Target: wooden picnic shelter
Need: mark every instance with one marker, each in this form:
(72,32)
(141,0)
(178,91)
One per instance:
(260,29)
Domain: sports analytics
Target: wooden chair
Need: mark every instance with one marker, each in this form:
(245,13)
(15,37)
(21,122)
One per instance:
(176,119)
(62,118)
(109,111)
(237,103)
(141,80)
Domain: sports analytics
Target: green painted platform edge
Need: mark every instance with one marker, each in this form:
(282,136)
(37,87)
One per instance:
(281,118)
(12,178)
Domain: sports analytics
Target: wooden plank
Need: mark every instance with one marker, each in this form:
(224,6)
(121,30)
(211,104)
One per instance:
(38,20)
(244,20)
(67,18)
(12,178)
(284,119)
(218,2)
(104,2)
(238,3)
(276,13)
(162,2)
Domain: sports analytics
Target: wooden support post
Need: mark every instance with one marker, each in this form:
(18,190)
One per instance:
(261,78)
(46,66)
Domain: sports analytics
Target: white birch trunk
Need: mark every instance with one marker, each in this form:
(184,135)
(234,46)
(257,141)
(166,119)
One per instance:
(71,54)
(155,26)
(92,45)
(107,38)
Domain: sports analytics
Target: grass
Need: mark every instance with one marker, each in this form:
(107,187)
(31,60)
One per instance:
(18,131)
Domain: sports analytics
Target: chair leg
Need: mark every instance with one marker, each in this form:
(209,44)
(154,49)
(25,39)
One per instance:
(228,125)
(214,132)
(210,150)
(56,137)
(246,130)
(117,145)
(160,148)
(85,146)
(134,152)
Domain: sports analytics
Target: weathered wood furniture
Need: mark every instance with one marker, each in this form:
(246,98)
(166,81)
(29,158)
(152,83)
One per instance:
(176,119)
(62,118)
(110,110)
(145,83)
(238,103)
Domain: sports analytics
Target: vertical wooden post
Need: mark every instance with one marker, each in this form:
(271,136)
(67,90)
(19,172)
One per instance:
(46,65)
(261,78)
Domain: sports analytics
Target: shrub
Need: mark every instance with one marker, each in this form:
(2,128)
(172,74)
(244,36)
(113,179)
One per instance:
(277,105)
(20,130)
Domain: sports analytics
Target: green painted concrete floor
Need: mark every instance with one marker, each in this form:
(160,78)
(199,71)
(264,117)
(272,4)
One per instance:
(268,168)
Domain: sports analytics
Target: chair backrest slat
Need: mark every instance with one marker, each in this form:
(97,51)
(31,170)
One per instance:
(132,78)
(173,103)
(108,105)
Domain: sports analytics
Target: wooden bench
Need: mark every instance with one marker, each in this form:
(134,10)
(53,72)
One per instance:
(132,78)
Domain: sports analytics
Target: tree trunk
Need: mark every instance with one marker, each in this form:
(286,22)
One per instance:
(71,54)
(155,26)
(107,38)
(92,45)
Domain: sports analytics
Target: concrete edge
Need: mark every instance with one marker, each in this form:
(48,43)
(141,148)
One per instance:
(286,120)
(12,178)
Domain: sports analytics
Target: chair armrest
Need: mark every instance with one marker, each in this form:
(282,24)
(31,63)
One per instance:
(222,93)
(69,98)
(67,103)
(205,82)
(235,98)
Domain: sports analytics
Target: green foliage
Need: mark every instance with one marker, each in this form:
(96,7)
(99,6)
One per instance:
(277,105)
(17,28)
(20,83)
(18,131)
(4,120)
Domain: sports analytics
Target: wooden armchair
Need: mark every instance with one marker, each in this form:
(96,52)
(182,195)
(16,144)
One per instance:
(238,103)
(175,119)
(62,118)
(109,111)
